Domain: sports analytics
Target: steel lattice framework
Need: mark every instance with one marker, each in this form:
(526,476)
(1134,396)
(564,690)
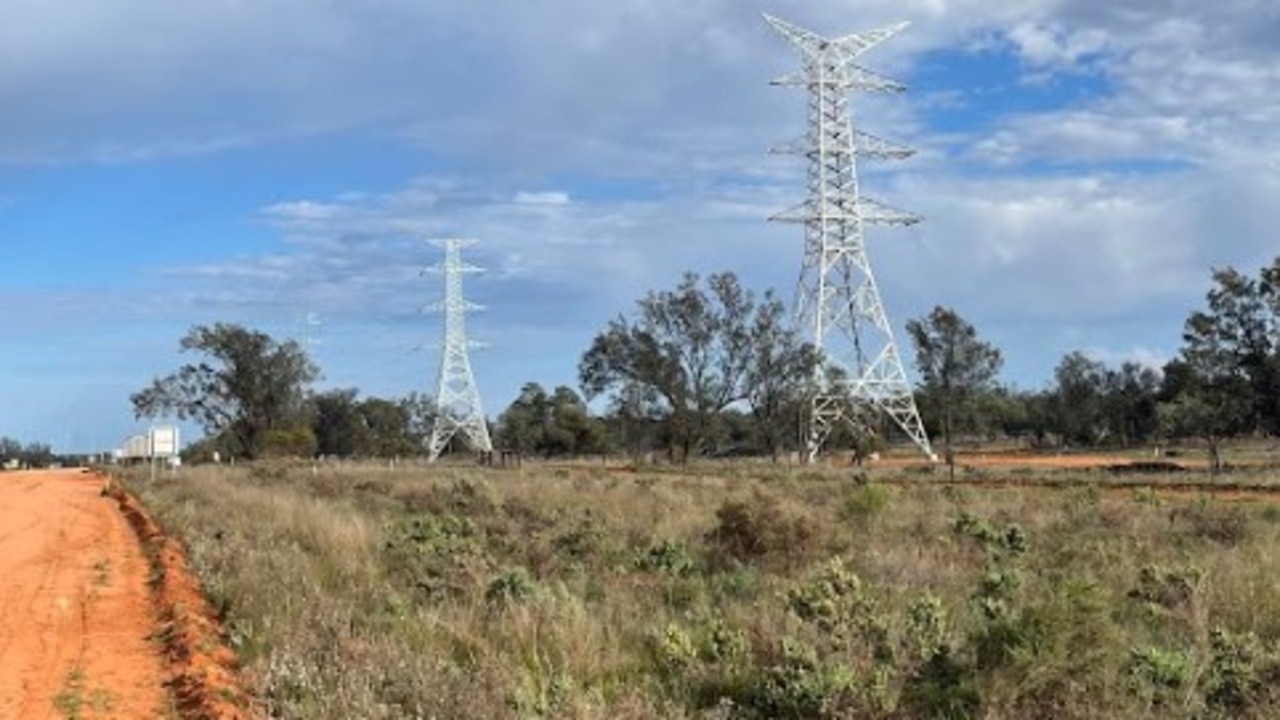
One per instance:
(457,399)
(837,298)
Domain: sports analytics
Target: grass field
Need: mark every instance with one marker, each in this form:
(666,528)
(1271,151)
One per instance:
(732,591)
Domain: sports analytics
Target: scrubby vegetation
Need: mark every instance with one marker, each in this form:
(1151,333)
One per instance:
(741,591)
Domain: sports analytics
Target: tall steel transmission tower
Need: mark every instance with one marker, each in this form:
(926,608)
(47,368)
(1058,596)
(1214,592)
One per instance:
(837,297)
(457,399)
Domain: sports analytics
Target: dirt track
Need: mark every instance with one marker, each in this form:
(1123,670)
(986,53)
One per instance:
(76,618)
(1028,461)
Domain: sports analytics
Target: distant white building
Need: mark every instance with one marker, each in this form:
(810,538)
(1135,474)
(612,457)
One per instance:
(159,442)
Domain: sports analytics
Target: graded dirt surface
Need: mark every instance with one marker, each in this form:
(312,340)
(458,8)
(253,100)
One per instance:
(1028,461)
(77,628)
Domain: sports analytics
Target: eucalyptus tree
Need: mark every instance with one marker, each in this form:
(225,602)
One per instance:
(244,387)
(690,353)
(1227,376)
(955,366)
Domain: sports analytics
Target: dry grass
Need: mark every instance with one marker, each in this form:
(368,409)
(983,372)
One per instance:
(731,591)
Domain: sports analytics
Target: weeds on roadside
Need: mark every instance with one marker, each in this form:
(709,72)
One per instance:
(102,573)
(73,704)
(467,593)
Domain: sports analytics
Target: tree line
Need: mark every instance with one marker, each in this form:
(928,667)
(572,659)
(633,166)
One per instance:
(253,397)
(712,368)
(1223,383)
(31,455)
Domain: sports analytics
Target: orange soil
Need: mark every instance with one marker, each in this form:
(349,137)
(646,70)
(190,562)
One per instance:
(202,670)
(76,622)
(1070,461)
(90,627)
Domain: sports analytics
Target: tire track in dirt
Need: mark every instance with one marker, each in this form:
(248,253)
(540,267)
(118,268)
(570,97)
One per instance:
(100,617)
(76,624)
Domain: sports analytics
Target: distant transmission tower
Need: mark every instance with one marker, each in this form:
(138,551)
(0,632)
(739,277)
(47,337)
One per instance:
(837,297)
(457,399)
(310,323)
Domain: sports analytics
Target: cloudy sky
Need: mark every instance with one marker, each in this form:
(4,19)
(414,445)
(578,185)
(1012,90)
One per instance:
(1082,166)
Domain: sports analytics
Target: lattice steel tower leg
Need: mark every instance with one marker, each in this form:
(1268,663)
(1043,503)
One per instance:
(457,399)
(837,298)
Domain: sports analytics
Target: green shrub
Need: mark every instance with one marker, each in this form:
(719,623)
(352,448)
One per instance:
(724,644)
(799,686)
(832,600)
(460,496)
(583,540)
(669,557)
(737,584)
(863,502)
(1242,674)
(1271,513)
(1215,521)
(758,529)
(512,585)
(1004,638)
(1083,501)
(432,554)
(1146,496)
(1159,677)
(942,689)
(926,629)
(298,442)
(541,693)
(1170,588)
(674,651)
(1008,542)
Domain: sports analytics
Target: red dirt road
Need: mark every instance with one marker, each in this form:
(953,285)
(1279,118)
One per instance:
(76,616)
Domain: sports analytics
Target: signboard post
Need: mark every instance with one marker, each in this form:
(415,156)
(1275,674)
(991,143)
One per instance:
(162,443)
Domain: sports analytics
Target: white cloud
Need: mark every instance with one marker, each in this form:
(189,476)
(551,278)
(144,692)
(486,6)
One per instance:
(503,79)
(664,111)
(620,88)
(1198,85)
(304,211)
(1070,249)
(1048,46)
(541,198)
(1089,136)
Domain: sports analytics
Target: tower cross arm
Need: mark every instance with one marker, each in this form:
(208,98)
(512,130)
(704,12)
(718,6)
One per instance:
(877,147)
(459,243)
(855,78)
(863,79)
(808,41)
(874,211)
(866,144)
(849,47)
(855,44)
(802,213)
(465,306)
(444,268)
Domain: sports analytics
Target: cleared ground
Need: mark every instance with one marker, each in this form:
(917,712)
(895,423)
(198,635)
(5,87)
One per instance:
(76,622)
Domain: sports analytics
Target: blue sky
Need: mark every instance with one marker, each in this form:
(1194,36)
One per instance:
(1082,167)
